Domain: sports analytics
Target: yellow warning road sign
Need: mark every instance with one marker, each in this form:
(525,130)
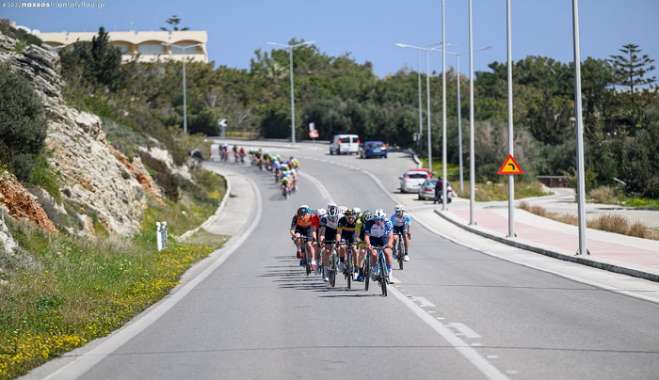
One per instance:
(510,166)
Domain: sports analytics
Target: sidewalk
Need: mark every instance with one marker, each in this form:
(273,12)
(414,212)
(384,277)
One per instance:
(614,252)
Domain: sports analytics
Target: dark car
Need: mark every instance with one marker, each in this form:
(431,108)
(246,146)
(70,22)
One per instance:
(373,149)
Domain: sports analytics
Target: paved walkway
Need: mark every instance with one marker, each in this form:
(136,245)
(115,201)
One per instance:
(606,247)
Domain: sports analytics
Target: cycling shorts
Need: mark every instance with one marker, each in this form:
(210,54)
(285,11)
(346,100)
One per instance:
(348,237)
(379,241)
(330,234)
(400,229)
(305,231)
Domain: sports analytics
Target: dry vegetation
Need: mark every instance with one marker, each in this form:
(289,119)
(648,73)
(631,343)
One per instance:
(610,222)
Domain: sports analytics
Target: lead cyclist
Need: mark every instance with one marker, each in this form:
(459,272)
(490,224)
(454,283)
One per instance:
(402,223)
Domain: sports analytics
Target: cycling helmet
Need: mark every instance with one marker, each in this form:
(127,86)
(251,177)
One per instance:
(357,211)
(400,209)
(303,210)
(321,212)
(342,209)
(379,215)
(332,209)
(349,213)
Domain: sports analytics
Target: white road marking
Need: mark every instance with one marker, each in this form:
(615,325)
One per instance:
(115,340)
(492,356)
(423,302)
(464,330)
(473,356)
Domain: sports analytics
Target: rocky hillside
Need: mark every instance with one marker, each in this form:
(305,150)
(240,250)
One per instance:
(99,186)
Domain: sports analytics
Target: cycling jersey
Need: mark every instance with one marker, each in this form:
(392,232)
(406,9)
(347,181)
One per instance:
(400,221)
(376,230)
(330,222)
(302,221)
(347,230)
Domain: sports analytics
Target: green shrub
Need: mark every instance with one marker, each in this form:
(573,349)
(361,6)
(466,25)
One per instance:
(22,37)
(22,123)
(45,177)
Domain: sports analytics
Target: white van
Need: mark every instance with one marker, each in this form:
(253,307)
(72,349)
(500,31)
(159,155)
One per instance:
(344,144)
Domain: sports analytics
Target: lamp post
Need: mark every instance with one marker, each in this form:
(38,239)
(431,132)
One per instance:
(290,55)
(459,114)
(472,153)
(511,179)
(185,99)
(418,75)
(581,184)
(444,171)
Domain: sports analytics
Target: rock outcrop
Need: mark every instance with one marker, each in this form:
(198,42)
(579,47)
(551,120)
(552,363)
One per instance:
(90,172)
(21,204)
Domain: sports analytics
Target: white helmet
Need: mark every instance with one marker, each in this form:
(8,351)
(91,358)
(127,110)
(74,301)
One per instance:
(356,210)
(379,214)
(400,209)
(321,212)
(332,209)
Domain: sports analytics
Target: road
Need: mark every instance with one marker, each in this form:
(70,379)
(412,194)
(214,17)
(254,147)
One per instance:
(454,312)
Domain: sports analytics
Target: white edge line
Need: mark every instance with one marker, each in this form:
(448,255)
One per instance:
(461,346)
(513,260)
(115,340)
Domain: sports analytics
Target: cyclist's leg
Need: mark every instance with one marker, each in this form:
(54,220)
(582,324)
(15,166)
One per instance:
(407,240)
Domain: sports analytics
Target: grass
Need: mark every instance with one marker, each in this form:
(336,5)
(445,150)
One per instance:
(82,289)
(613,196)
(609,222)
(489,191)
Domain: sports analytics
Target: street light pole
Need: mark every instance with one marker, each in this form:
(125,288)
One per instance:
(511,179)
(290,50)
(429,117)
(290,55)
(444,171)
(418,72)
(185,102)
(581,183)
(185,97)
(472,153)
(462,188)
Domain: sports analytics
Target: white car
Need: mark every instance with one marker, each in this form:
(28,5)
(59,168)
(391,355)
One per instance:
(344,144)
(411,180)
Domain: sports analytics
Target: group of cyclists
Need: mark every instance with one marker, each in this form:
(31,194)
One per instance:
(340,228)
(238,153)
(283,170)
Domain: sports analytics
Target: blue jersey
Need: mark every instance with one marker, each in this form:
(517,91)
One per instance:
(377,231)
(398,221)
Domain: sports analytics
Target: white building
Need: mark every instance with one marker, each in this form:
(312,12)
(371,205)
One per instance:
(143,46)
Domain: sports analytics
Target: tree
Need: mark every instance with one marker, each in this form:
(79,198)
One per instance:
(632,72)
(631,68)
(22,124)
(173,23)
(93,63)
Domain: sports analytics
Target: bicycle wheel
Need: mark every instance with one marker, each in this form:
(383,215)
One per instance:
(332,273)
(401,254)
(367,271)
(383,274)
(307,265)
(349,269)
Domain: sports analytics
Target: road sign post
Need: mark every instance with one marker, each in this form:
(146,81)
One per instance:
(510,167)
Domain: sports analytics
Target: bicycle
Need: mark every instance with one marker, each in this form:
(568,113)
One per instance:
(381,263)
(305,252)
(399,250)
(366,270)
(334,261)
(349,263)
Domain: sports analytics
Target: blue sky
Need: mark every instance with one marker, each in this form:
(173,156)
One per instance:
(368,29)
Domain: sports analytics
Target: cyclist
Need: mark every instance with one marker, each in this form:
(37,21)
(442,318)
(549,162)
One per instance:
(379,233)
(347,232)
(235,153)
(303,225)
(328,226)
(241,153)
(402,223)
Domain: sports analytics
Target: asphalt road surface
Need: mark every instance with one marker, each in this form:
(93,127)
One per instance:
(454,312)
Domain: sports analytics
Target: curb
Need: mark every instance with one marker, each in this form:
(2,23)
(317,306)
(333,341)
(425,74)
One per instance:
(217,213)
(557,255)
(249,143)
